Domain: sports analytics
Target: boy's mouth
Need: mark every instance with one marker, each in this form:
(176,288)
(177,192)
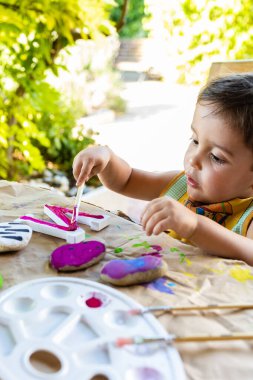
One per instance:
(191,182)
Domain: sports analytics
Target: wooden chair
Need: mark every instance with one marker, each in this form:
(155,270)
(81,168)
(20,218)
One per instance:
(219,69)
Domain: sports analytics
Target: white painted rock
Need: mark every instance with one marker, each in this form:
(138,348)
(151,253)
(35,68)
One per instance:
(14,236)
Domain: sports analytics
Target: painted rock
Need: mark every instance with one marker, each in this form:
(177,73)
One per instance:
(71,257)
(133,271)
(14,236)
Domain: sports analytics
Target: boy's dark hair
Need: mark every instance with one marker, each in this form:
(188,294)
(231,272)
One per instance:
(232,97)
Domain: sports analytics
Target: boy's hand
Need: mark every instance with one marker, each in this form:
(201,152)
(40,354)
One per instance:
(89,162)
(166,213)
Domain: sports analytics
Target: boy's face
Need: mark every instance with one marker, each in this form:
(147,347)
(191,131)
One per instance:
(217,163)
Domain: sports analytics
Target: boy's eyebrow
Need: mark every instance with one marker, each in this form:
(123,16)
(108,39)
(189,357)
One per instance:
(217,145)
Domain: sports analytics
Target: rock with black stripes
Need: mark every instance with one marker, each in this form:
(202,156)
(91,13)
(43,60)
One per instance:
(14,236)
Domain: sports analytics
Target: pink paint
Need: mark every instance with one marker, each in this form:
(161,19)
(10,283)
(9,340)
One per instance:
(158,248)
(118,269)
(77,255)
(74,215)
(94,302)
(71,227)
(62,211)
(156,252)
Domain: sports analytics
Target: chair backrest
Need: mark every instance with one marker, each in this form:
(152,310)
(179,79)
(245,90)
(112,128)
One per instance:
(219,69)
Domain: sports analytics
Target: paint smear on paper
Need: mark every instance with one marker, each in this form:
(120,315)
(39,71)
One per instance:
(144,244)
(129,238)
(240,274)
(188,262)
(181,257)
(156,247)
(161,285)
(189,274)
(118,250)
(216,271)
(174,249)
(156,252)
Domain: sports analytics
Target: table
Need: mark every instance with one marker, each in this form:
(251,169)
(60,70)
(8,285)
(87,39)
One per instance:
(193,278)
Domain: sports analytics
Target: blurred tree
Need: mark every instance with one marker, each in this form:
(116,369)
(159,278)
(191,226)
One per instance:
(202,31)
(35,122)
(128,17)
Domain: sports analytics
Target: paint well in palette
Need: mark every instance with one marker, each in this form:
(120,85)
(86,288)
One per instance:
(119,318)
(143,349)
(94,300)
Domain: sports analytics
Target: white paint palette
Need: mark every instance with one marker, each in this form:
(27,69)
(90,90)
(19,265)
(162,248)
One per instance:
(63,328)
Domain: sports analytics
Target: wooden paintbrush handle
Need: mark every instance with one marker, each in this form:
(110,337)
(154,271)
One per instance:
(190,308)
(210,338)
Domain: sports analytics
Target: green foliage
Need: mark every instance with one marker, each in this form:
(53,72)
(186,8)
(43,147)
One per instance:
(36,122)
(133,20)
(203,31)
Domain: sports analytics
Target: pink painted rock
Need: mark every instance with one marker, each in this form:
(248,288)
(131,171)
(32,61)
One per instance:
(133,271)
(71,257)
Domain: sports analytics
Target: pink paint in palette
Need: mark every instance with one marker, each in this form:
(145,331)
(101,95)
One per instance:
(65,217)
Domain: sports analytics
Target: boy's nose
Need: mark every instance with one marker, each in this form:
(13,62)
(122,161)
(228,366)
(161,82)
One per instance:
(195,161)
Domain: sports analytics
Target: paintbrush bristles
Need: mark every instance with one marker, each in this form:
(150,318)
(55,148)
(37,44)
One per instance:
(77,203)
(79,195)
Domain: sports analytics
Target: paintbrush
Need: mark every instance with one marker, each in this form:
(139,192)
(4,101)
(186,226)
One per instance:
(77,203)
(138,340)
(170,309)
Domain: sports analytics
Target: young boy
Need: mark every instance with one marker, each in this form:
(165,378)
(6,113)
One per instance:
(210,204)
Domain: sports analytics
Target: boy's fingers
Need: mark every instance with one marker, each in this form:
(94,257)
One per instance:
(154,221)
(83,173)
(151,209)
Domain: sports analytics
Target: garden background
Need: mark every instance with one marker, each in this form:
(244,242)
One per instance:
(62,64)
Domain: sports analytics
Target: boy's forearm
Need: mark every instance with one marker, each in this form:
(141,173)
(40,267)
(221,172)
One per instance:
(116,174)
(120,177)
(218,240)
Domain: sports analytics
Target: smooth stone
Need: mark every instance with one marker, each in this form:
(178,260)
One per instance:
(14,236)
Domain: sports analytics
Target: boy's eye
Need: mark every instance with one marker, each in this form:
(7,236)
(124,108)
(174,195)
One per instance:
(216,159)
